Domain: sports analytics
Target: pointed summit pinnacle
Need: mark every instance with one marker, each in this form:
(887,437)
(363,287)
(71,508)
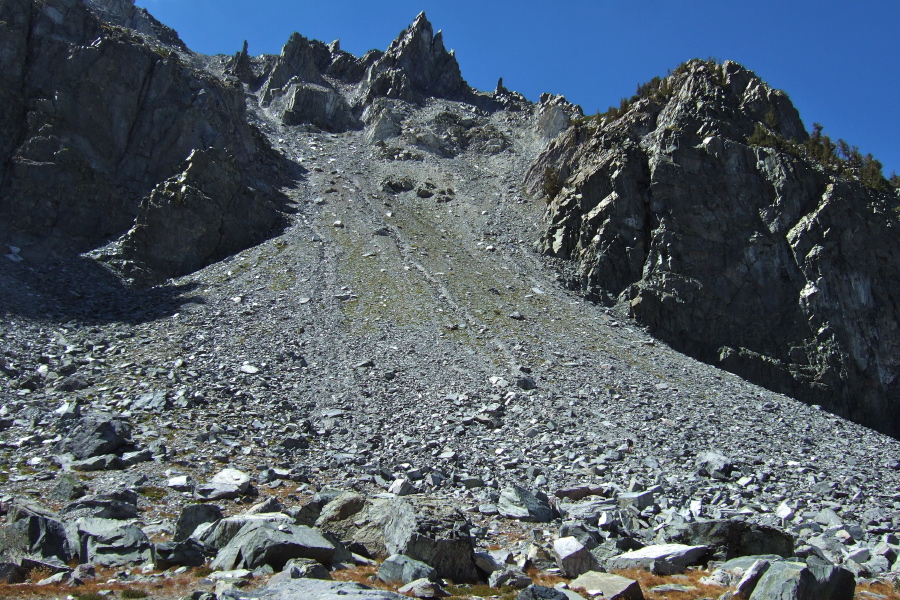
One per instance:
(416,64)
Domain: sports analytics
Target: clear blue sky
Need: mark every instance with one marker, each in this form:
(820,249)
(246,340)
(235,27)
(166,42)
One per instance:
(837,60)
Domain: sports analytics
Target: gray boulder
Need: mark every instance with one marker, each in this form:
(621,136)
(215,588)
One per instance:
(403,569)
(67,487)
(510,576)
(751,578)
(114,505)
(273,545)
(95,435)
(215,536)
(517,502)
(541,592)
(786,580)
(715,465)
(731,539)
(661,559)
(305,568)
(35,535)
(423,588)
(107,462)
(428,530)
(194,515)
(341,508)
(22,508)
(608,586)
(205,213)
(573,558)
(109,542)
(188,553)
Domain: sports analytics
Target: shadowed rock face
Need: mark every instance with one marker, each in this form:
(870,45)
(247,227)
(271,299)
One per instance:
(96,116)
(205,213)
(756,260)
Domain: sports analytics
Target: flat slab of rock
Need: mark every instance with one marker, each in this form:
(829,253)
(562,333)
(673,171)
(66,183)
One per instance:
(661,559)
(608,586)
(305,589)
(518,503)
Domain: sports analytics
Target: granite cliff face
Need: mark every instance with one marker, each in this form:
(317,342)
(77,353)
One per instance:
(751,258)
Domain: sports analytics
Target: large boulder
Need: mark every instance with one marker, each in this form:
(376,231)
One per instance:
(787,580)
(403,569)
(660,559)
(110,542)
(194,515)
(573,558)
(205,213)
(730,539)
(120,505)
(216,535)
(609,586)
(273,545)
(95,435)
(430,531)
(35,535)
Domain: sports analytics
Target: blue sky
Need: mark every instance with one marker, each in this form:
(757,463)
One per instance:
(837,60)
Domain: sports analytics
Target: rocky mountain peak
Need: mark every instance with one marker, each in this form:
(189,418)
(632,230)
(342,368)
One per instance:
(123,13)
(699,201)
(416,64)
(298,60)
(728,95)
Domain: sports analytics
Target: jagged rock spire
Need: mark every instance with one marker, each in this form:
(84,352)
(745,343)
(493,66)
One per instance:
(416,64)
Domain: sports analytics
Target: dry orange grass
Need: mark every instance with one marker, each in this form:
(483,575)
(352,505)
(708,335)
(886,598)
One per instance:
(161,589)
(648,581)
(545,579)
(882,589)
(364,575)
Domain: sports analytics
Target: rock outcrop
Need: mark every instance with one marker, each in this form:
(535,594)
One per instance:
(753,258)
(416,65)
(203,214)
(123,13)
(96,117)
